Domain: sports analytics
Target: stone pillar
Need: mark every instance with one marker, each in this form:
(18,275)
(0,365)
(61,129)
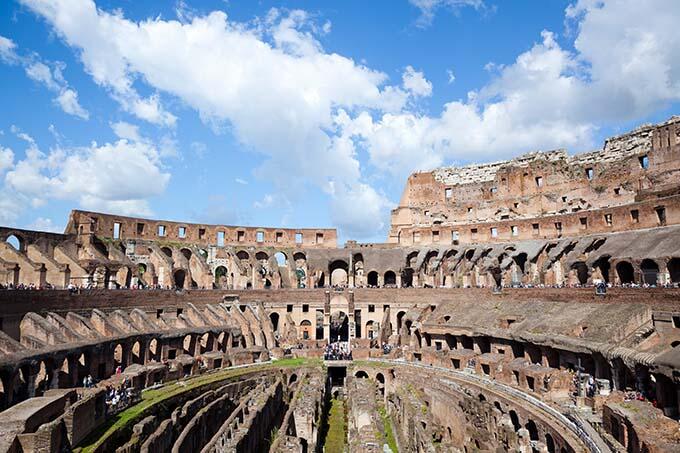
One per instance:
(351,322)
(327,317)
(350,273)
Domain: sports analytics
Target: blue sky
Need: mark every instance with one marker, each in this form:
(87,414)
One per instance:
(305,114)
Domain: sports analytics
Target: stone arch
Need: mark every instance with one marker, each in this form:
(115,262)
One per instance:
(281,259)
(674,270)
(221,273)
(118,355)
(167,251)
(339,328)
(137,356)
(370,334)
(400,317)
(42,379)
(514,418)
(207,342)
(339,270)
(390,278)
(261,256)
(17,241)
(549,443)
(407,277)
(306,329)
(602,263)
(581,272)
(521,260)
(533,430)
(187,344)
(154,350)
(274,318)
(650,272)
(179,277)
(361,374)
(242,255)
(187,253)
(625,272)
(372,279)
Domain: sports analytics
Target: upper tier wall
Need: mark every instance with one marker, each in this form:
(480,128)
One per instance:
(120,227)
(632,168)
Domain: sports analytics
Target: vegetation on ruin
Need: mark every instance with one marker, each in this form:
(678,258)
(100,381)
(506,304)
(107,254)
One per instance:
(388,435)
(336,435)
(125,420)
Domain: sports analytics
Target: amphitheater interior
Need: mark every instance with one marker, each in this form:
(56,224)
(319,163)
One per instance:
(529,305)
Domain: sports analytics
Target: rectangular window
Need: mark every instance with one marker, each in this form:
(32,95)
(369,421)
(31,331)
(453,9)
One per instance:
(584,222)
(494,232)
(289,308)
(140,228)
(371,308)
(455,236)
(505,217)
(438,345)
(427,213)
(608,219)
(259,236)
(279,237)
(564,199)
(514,230)
(448,193)
(661,214)
(435,236)
(240,236)
(539,181)
(161,230)
(182,232)
(305,308)
(220,238)
(536,228)
(473,233)
(319,238)
(644,161)
(116,230)
(201,233)
(298,238)
(635,216)
(590,173)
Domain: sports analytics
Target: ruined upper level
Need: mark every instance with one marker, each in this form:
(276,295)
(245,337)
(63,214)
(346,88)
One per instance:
(544,194)
(117,227)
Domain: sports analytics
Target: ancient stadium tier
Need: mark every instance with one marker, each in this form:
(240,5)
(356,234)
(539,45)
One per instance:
(526,305)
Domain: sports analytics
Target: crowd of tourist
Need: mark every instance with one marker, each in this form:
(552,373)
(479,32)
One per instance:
(119,397)
(338,350)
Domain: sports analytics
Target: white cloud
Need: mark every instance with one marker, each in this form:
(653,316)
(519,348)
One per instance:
(428,8)
(199,148)
(416,83)
(125,130)
(451,76)
(6,159)
(267,201)
(241,181)
(50,77)
(116,177)
(45,224)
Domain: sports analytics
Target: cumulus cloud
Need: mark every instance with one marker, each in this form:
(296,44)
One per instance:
(115,177)
(49,76)
(416,83)
(45,224)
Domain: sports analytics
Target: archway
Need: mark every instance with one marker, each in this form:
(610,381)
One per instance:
(321,281)
(281,259)
(306,329)
(153,349)
(137,353)
(274,318)
(515,420)
(400,316)
(17,242)
(118,356)
(187,346)
(372,279)
(533,430)
(625,272)
(221,273)
(370,334)
(650,272)
(167,251)
(407,278)
(339,326)
(361,374)
(339,270)
(581,272)
(180,276)
(390,279)
(603,265)
(549,443)
(674,270)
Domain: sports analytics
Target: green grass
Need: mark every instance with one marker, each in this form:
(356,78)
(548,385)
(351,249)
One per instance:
(336,436)
(390,440)
(150,398)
